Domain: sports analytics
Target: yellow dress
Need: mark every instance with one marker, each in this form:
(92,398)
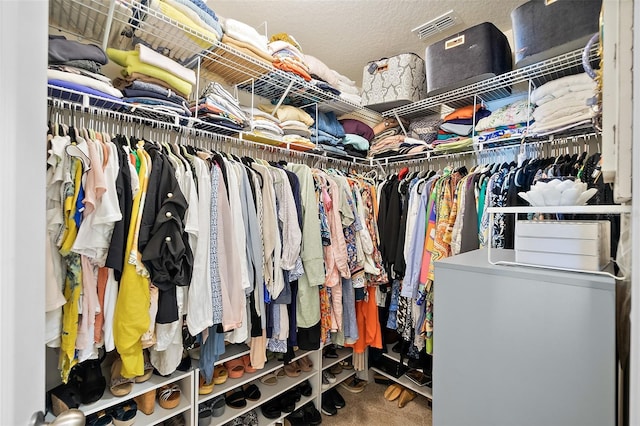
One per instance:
(131,317)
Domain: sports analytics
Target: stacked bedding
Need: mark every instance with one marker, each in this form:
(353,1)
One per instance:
(77,66)
(507,122)
(263,124)
(294,123)
(563,104)
(144,65)
(167,37)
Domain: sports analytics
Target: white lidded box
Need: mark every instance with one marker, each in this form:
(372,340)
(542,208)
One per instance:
(584,245)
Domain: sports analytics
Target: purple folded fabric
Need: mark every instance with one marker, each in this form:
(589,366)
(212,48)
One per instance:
(357,127)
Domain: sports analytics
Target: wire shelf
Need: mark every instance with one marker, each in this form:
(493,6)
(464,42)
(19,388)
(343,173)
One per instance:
(500,86)
(60,97)
(127,22)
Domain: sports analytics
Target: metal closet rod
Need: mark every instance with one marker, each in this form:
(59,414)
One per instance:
(511,149)
(209,137)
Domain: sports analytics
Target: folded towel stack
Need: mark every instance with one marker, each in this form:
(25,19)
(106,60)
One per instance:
(563,104)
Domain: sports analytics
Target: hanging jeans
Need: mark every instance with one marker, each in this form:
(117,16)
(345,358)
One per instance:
(349,321)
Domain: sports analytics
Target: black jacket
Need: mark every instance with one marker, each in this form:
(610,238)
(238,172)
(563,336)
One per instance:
(163,242)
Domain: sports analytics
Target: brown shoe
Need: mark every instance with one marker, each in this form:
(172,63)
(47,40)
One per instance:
(393,392)
(406,396)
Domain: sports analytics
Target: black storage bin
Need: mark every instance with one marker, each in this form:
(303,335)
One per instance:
(543,29)
(475,54)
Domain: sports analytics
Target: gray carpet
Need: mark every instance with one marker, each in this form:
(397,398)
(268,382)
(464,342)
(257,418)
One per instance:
(370,408)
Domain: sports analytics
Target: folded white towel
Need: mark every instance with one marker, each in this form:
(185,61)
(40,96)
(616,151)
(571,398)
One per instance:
(557,87)
(570,101)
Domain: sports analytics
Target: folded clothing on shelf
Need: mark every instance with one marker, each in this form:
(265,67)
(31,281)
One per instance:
(132,63)
(520,111)
(563,103)
(62,50)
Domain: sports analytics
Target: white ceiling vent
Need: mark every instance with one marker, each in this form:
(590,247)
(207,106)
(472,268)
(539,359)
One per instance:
(436,25)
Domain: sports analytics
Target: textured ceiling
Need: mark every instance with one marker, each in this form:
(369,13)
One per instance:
(347,34)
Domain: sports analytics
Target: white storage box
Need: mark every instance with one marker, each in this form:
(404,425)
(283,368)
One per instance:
(564,244)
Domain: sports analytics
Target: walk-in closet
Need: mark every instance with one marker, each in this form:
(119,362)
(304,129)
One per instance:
(298,213)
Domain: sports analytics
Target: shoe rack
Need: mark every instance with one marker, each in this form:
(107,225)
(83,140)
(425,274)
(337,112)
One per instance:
(327,363)
(146,393)
(268,392)
(425,391)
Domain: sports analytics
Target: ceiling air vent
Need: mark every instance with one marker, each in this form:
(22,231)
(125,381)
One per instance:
(436,25)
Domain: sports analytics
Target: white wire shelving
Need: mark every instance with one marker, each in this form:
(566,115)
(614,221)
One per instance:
(500,86)
(204,134)
(123,23)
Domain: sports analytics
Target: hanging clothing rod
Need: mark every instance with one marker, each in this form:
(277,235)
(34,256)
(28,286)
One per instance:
(207,136)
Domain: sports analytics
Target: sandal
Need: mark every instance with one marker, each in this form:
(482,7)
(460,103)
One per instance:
(305,363)
(247,364)
(292,369)
(205,388)
(217,406)
(169,396)
(251,392)
(124,414)
(406,396)
(393,392)
(220,374)
(119,386)
(148,369)
(280,374)
(101,418)
(235,398)
(335,369)
(204,415)
(235,368)
(346,364)
(269,379)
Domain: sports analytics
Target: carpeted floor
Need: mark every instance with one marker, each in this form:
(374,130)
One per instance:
(370,408)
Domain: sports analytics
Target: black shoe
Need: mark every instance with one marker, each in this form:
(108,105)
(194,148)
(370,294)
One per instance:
(327,406)
(311,414)
(287,403)
(271,409)
(297,418)
(338,400)
(305,388)
(330,352)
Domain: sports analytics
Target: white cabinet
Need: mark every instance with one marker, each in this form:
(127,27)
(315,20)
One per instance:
(522,346)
